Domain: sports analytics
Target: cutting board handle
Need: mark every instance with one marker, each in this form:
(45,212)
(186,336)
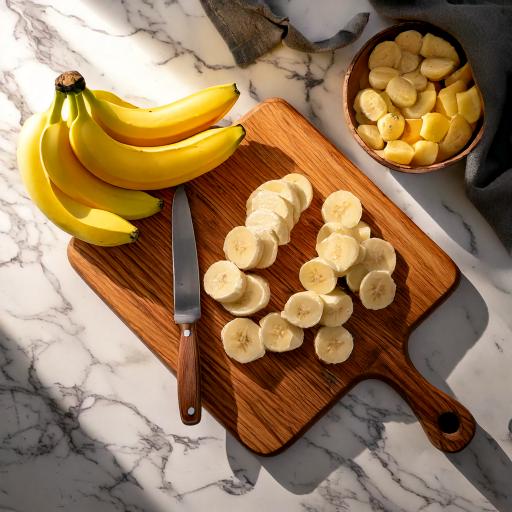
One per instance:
(447,423)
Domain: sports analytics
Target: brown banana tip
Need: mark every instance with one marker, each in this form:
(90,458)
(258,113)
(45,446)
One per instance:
(237,92)
(134,235)
(70,81)
(161,204)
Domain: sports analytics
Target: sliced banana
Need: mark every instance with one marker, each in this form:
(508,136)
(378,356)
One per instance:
(434,126)
(354,277)
(372,104)
(424,104)
(357,99)
(371,135)
(255,298)
(456,137)
(303,309)
(409,62)
(469,104)
(279,335)
(386,54)
(243,247)
(401,92)
(286,190)
(360,232)
(360,257)
(343,207)
(380,255)
(242,341)
(409,41)
(417,79)
(434,46)
(266,200)
(362,119)
(304,188)
(269,243)
(425,152)
(464,73)
(391,126)
(224,281)
(436,68)
(379,77)
(389,104)
(377,290)
(339,251)
(398,151)
(333,344)
(318,276)
(269,220)
(338,308)
(447,98)
(411,133)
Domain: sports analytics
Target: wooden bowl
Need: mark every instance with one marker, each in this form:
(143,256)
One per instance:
(359,66)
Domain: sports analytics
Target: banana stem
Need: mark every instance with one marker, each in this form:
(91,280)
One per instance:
(79,100)
(73,111)
(56,108)
(88,95)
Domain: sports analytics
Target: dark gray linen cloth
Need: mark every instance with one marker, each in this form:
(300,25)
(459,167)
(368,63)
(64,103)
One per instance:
(251,28)
(483,28)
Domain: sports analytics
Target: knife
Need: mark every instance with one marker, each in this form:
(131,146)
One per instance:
(187,307)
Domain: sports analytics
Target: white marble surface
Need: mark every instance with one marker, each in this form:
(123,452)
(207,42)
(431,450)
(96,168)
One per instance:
(89,419)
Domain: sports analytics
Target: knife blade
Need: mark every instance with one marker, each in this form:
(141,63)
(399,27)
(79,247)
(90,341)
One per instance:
(187,307)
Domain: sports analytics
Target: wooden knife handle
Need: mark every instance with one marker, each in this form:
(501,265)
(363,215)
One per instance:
(189,377)
(447,423)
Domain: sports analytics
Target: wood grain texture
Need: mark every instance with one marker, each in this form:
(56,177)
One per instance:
(189,375)
(267,404)
(359,66)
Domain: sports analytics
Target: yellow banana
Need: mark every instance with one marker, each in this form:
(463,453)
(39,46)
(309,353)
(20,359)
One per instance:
(89,224)
(112,98)
(166,124)
(148,168)
(72,178)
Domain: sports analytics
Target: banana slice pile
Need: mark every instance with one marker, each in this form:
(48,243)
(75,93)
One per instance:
(273,209)
(86,173)
(417,106)
(345,249)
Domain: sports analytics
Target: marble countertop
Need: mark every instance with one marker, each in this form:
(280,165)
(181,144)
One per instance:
(89,418)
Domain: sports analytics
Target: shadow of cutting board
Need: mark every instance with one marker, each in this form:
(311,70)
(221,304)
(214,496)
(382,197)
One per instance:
(267,404)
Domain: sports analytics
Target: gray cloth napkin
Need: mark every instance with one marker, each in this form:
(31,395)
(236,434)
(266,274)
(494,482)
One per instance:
(484,30)
(250,29)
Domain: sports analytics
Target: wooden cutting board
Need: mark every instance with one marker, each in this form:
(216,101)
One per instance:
(267,404)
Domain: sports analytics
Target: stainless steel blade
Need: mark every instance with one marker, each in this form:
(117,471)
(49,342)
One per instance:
(187,290)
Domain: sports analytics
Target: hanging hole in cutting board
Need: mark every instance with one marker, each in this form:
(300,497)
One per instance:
(448,422)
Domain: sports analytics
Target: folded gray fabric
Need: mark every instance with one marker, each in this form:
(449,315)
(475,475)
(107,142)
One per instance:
(250,29)
(484,30)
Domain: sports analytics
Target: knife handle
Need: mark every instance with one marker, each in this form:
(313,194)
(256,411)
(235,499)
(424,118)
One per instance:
(189,377)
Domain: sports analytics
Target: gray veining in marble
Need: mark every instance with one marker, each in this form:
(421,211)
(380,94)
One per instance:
(89,419)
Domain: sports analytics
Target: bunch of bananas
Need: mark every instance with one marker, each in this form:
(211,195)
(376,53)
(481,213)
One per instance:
(87,174)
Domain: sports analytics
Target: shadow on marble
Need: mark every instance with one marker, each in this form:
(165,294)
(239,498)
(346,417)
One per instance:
(45,455)
(488,468)
(442,195)
(358,422)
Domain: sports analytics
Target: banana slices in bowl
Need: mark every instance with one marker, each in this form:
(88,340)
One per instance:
(345,249)
(415,79)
